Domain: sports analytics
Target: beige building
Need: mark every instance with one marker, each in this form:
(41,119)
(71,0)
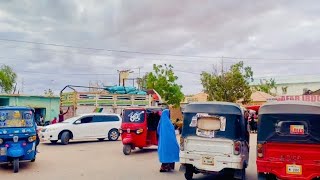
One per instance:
(200,97)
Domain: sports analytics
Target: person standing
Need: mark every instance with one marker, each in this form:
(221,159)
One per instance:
(168,148)
(54,121)
(61,115)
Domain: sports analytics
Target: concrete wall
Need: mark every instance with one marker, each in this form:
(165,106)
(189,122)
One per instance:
(50,104)
(297,88)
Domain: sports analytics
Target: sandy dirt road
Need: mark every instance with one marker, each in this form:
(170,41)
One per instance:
(93,160)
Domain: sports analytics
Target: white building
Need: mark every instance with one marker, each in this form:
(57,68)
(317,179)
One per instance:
(296,85)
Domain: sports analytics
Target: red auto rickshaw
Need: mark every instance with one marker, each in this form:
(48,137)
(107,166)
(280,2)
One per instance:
(288,144)
(139,128)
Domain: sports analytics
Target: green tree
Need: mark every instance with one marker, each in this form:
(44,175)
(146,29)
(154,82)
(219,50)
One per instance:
(7,79)
(229,86)
(266,86)
(163,80)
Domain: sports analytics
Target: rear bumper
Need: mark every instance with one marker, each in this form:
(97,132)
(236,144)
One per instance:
(309,171)
(220,162)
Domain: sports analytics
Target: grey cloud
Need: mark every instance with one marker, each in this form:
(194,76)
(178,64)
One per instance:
(267,29)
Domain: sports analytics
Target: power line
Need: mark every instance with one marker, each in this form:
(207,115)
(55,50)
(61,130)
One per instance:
(153,53)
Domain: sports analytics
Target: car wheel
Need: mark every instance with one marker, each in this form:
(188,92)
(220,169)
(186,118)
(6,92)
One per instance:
(189,172)
(113,135)
(127,149)
(16,165)
(101,139)
(65,138)
(33,160)
(54,141)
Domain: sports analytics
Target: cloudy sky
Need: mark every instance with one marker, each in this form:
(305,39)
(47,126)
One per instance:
(54,43)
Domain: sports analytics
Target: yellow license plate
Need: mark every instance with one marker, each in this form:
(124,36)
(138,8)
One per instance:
(207,160)
(294,169)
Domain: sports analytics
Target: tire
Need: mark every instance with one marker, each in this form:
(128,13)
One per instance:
(189,172)
(65,138)
(53,141)
(101,139)
(141,148)
(127,149)
(113,135)
(33,160)
(243,174)
(262,176)
(15,165)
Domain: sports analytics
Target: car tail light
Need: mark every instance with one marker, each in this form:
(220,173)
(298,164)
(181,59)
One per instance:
(181,143)
(237,147)
(260,150)
(139,131)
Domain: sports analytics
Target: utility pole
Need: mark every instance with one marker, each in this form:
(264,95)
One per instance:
(22,85)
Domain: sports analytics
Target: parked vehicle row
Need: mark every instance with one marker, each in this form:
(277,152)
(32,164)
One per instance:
(214,139)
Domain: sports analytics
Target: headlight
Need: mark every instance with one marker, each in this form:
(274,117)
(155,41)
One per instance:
(32,138)
(120,131)
(139,131)
(1,141)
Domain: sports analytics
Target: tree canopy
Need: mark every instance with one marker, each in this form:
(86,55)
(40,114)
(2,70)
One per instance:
(163,80)
(7,79)
(228,86)
(266,86)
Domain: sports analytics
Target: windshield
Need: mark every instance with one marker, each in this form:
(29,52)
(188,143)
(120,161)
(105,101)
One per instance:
(134,116)
(303,128)
(16,118)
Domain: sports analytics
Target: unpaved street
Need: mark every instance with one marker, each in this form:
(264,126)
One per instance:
(95,160)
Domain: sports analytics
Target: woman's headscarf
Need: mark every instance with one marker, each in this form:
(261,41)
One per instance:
(168,148)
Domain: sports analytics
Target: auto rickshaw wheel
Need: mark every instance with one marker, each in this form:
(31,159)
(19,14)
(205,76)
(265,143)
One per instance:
(243,174)
(189,172)
(16,165)
(127,149)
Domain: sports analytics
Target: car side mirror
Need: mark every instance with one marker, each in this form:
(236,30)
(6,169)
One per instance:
(77,122)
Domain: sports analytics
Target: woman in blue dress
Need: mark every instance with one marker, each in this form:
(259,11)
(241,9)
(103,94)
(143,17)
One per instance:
(168,148)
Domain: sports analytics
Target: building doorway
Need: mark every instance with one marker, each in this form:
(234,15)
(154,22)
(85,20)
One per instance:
(38,113)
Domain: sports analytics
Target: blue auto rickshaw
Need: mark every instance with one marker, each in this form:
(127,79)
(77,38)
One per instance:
(18,136)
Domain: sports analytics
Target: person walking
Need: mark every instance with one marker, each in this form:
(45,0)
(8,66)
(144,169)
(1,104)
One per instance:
(168,148)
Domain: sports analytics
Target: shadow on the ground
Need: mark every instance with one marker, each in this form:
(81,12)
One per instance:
(23,166)
(78,142)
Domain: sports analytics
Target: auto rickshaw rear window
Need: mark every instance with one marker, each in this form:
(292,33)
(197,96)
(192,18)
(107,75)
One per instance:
(212,125)
(134,116)
(294,128)
(16,118)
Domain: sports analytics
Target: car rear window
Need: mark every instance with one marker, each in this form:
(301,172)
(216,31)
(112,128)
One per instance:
(292,128)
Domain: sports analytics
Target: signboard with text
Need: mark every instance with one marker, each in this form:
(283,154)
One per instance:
(307,98)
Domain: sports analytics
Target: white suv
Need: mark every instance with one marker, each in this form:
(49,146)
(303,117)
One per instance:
(87,126)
